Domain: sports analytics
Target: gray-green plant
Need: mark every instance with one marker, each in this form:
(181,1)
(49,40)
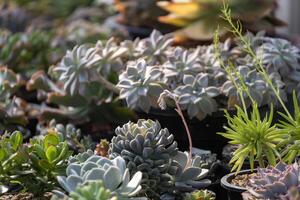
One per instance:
(256,85)
(155,48)
(113,173)
(180,63)
(152,150)
(281,182)
(141,85)
(187,174)
(148,148)
(196,95)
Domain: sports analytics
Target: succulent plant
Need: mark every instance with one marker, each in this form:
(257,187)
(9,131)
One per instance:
(25,52)
(290,146)
(92,190)
(81,157)
(181,63)
(113,173)
(198,19)
(75,69)
(75,139)
(257,139)
(110,57)
(102,148)
(200,195)
(146,148)
(188,176)
(281,182)
(9,82)
(259,90)
(49,154)
(196,95)
(155,48)
(140,85)
(281,56)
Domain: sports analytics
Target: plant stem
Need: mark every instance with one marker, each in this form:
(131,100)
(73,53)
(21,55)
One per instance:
(108,85)
(179,111)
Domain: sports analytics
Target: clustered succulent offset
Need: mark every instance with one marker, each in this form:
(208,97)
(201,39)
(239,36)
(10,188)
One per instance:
(113,173)
(152,150)
(281,182)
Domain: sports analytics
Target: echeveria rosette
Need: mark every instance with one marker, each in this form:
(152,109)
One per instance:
(259,90)
(110,57)
(282,56)
(197,96)
(281,182)
(180,63)
(141,85)
(148,148)
(76,69)
(188,176)
(154,49)
(113,173)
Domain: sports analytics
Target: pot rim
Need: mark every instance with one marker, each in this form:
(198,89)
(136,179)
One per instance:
(228,186)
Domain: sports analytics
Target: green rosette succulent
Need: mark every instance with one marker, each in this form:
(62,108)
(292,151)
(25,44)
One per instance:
(113,174)
(281,182)
(146,148)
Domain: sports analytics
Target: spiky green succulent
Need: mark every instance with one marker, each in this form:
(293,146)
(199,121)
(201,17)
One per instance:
(200,195)
(281,182)
(257,138)
(146,148)
(291,145)
(113,173)
(141,85)
(197,95)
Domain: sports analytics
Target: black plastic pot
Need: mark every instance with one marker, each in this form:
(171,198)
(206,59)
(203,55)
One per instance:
(233,192)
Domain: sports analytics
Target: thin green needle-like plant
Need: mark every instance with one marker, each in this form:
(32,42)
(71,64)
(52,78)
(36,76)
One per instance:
(257,138)
(291,127)
(236,30)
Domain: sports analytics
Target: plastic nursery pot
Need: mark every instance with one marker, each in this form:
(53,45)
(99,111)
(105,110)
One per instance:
(234,192)
(203,132)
